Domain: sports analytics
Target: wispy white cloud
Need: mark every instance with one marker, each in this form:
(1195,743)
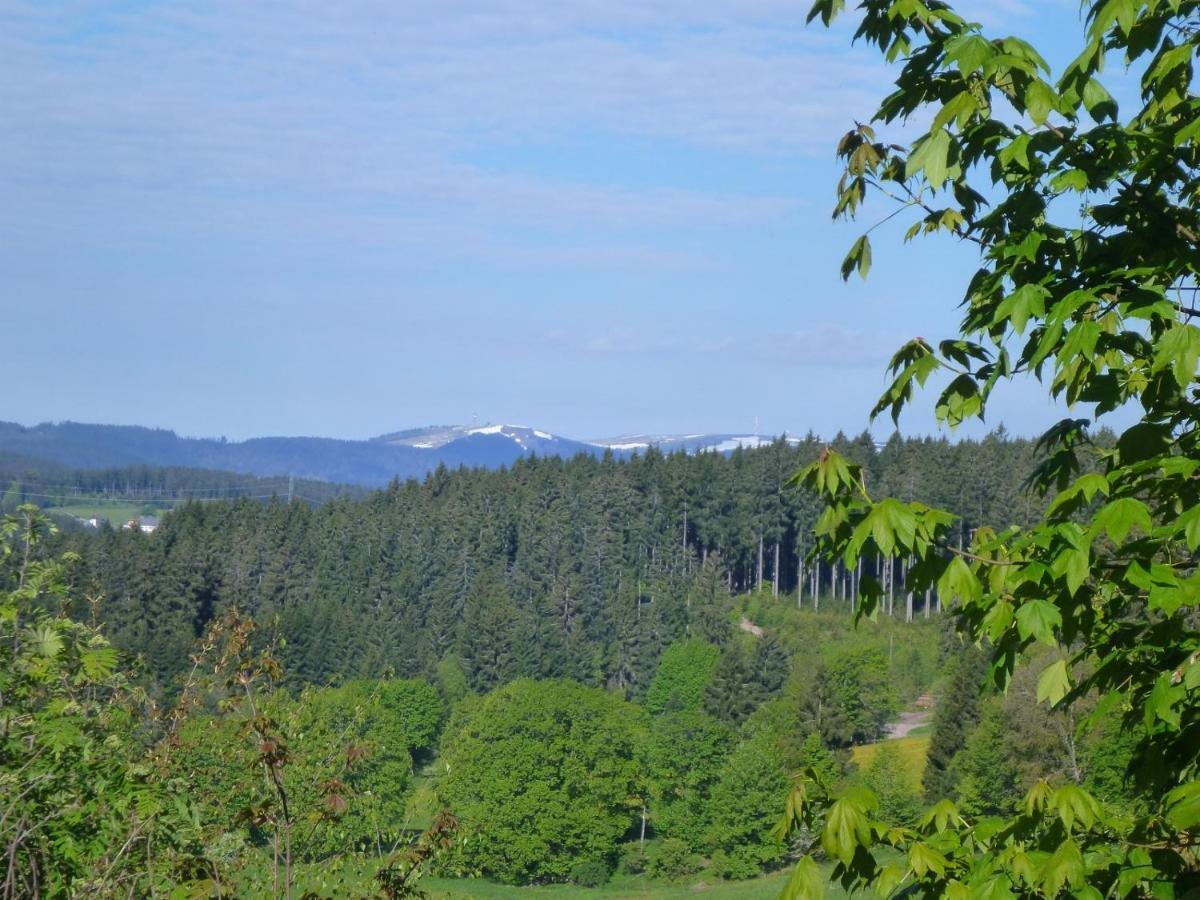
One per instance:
(639,342)
(824,345)
(385,109)
(1017,15)
(257,114)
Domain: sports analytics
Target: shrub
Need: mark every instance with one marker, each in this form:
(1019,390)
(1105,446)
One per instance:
(632,858)
(671,858)
(590,872)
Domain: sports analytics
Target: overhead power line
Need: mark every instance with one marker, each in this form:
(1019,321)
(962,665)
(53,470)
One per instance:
(133,501)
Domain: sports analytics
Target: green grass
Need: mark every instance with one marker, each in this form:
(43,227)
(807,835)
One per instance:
(117,514)
(765,888)
(913,750)
(354,875)
(422,802)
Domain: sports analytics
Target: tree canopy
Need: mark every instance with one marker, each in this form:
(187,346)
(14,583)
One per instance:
(542,775)
(683,675)
(1087,228)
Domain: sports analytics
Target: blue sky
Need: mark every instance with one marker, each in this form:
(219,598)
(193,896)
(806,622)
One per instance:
(302,217)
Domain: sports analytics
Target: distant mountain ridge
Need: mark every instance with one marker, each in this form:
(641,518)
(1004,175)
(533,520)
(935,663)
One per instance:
(690,443)
(374,462)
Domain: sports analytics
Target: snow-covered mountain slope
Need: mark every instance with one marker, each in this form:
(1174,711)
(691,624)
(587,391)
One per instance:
(519,440)
(435,436)
(690,443)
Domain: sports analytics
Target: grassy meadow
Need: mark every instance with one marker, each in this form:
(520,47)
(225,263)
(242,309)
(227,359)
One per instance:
(913,750)
(765,888)
(355,874)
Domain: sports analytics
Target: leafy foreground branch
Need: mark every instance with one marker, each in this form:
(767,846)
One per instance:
(1088,228)
(102,796)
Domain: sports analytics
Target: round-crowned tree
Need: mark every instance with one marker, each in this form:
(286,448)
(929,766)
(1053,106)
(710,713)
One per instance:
(684,759)
(543,775)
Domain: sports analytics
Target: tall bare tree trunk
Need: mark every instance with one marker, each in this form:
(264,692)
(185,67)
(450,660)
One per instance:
(891,565)
(882,573)
(816,585)
(908,594)
(857,584)
(758,586)
(775,574)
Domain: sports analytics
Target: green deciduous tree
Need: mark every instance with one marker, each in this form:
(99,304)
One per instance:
(542,775)
(415,706)
(683,675)
(103,794)
(320,775)
(1088,230)
(745,805)
(861,690)
(684,755)
(81,813)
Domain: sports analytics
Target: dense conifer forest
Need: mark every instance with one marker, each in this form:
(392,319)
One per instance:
(584,568)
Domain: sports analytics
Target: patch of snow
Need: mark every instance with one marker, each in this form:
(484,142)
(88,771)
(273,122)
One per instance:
(425,445)
(495,429)
(543,435)
(636,445)
(748,441)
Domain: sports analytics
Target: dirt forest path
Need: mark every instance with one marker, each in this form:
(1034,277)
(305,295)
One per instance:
(920,713)
(750,628)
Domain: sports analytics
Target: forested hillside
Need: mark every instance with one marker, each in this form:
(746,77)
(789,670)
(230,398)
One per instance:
(80,445)
(584,568)
(572,671)
(48,485)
